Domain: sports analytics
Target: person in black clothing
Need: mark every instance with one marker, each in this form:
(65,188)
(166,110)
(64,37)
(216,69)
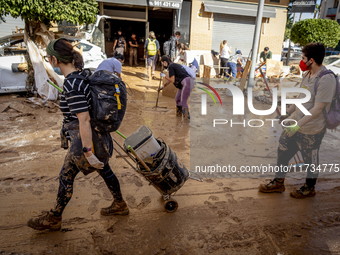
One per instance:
(119,44)
(89,150)
(182,77)
(133,48)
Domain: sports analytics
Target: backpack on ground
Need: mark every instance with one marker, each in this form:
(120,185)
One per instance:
(333,115)
(109,99)
(152,47)
(166,48)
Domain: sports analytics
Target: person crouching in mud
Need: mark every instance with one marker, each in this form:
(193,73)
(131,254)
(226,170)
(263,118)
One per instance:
(307,135)
(89,150)
(182,77)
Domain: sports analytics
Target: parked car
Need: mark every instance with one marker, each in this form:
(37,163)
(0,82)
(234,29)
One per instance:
(11,55)
(295,53)
(293,56)
(332,63)
(331,53)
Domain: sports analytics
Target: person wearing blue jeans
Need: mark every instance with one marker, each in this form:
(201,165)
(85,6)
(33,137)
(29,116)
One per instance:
(232,63)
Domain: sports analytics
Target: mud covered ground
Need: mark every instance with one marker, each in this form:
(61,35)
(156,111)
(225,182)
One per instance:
(218,216)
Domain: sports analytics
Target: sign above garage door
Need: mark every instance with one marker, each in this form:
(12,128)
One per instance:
(238,9)
(172,4)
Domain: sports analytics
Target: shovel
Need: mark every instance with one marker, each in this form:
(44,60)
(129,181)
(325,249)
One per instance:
(159,86)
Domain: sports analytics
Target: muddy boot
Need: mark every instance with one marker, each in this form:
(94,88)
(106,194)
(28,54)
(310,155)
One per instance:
(274,186)
(303,192)
(179,111)
(117,208)
(186,114)
(46,220)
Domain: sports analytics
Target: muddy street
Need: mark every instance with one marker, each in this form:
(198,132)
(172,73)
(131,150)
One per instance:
(221,215)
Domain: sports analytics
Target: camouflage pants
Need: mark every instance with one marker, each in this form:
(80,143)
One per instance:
(75,162)
(308,145)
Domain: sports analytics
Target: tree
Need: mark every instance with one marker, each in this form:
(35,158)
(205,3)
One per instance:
(316,30)
(46,11)
(38,14)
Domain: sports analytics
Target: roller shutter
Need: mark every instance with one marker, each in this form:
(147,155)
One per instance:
(6,28)
(237,30)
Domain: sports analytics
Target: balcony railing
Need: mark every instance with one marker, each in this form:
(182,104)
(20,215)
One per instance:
(331,12)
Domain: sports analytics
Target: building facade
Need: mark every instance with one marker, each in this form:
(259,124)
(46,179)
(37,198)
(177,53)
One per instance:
(203,24)
(330,10)
(214,21)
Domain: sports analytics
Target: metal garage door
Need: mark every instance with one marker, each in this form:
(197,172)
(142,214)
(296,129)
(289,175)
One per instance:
(6,28)
(237,30)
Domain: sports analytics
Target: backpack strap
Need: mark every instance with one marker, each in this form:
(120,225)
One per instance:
(317,80)
(316,88)
(117,96)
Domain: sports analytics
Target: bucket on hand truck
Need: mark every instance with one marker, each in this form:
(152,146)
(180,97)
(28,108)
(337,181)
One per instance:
(157,163)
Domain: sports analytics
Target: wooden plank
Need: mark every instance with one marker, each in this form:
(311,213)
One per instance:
(206,71)
(239,74)
(245,74)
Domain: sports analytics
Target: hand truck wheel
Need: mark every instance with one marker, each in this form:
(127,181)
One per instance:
(171,205)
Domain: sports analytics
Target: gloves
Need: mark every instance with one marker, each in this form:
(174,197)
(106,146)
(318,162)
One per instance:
(94,162)
(162,75)
(291,130)
(162,87)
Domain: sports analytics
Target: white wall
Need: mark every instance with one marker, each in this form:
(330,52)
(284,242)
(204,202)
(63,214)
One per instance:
(6,28)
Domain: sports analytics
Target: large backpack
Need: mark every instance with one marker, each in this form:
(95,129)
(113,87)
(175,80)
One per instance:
(333,115)
(152,47)
(121,42)
(109,99)
(167,47)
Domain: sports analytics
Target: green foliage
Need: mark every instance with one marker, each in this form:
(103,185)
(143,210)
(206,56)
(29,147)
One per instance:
(316,30)
(73,11)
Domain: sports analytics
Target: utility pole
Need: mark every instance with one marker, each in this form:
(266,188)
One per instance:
(290,43)
(256,40)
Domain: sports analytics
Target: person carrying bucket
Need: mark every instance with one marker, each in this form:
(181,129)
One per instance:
(89,150)
(183,77)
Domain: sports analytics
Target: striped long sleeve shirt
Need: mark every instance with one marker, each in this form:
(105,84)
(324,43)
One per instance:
(76,97)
